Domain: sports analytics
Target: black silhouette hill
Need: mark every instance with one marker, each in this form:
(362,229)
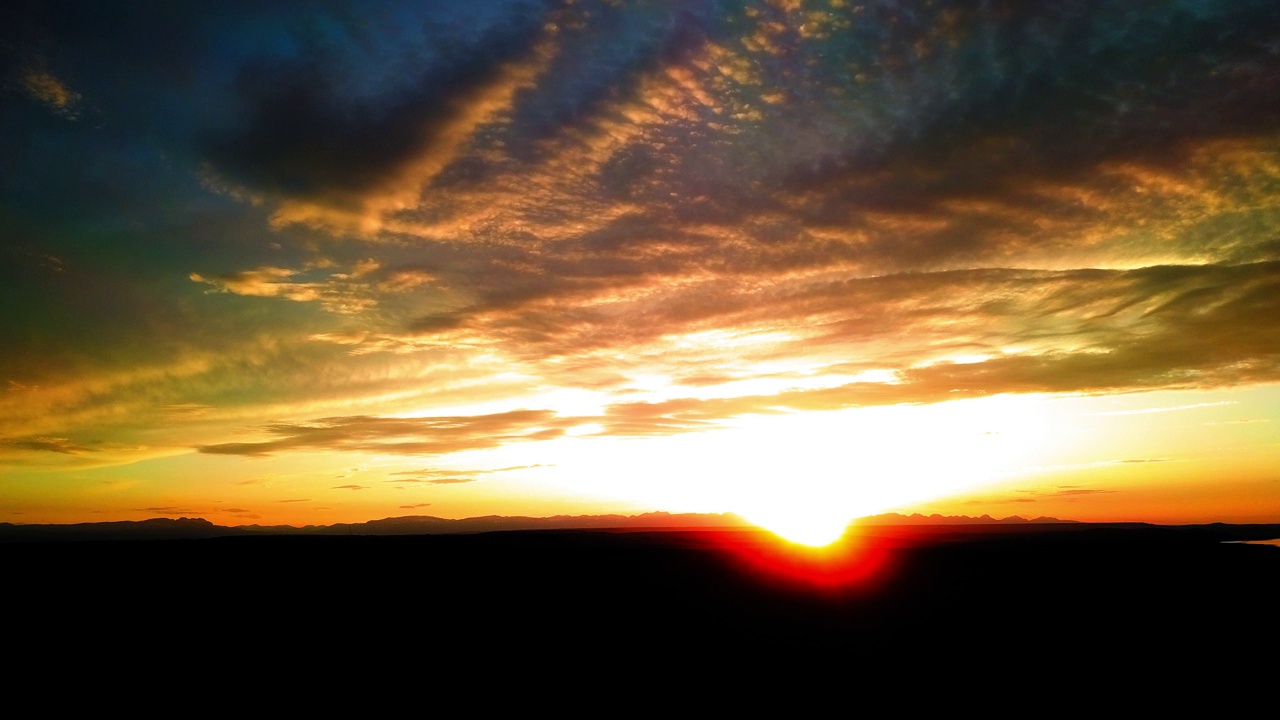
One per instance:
(394,602)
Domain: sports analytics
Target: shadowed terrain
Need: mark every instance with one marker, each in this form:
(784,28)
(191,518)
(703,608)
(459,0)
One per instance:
(1136,591)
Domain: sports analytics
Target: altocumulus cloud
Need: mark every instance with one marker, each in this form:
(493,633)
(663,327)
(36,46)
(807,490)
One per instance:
(291,212)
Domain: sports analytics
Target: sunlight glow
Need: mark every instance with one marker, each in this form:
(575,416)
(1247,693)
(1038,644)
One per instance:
(805,476)
(800,524)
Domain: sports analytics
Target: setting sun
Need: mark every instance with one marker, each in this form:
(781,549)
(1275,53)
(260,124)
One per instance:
(804,526)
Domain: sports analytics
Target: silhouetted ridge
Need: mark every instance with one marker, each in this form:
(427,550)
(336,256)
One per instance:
(153,528)
(195,528)
(936,519)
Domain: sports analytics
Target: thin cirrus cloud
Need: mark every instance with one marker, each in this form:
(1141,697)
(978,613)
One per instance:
(1067,493)
(450,477)
(46,444)
(414,436)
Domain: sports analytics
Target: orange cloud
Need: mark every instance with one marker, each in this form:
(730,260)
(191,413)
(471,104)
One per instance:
(50,90)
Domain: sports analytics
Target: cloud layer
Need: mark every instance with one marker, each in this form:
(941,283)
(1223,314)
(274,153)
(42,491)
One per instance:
(417,230)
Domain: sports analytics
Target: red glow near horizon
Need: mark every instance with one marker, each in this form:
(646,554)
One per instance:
(854,563)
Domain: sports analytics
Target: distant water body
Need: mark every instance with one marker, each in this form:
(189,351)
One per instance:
(1275,542)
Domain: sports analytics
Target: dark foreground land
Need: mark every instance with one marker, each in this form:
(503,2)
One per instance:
(1071,595)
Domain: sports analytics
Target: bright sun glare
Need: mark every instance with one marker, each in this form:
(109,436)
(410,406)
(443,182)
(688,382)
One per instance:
(803,476)
(803,526)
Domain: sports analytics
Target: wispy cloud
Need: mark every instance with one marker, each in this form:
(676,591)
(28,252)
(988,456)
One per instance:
(450,477)
(46,444)
(414,436)
(340,292)
(53,92)
(1147,411)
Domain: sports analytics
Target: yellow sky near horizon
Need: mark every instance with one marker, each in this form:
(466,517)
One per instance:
(1169,457)
(803,261)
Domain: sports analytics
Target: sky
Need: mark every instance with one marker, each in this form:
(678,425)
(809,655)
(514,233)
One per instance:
(803,260)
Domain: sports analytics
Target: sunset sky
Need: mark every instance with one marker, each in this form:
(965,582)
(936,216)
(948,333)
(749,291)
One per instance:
(804,260)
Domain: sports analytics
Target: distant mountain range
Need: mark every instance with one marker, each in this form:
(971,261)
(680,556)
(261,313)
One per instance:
(936,519)
(194,528)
